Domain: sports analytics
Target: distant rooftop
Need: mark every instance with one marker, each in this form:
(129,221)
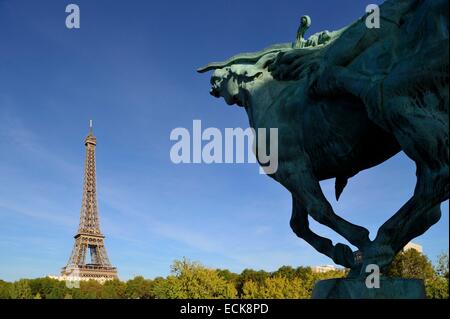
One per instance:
(414,246)
(324,268)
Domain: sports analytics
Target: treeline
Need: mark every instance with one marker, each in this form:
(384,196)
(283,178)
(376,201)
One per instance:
(192,280)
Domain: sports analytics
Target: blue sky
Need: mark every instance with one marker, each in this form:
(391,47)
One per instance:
(131,68)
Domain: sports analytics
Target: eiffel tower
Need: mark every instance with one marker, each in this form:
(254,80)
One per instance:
(89,240)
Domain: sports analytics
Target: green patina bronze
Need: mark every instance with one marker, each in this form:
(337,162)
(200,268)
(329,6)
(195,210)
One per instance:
(346,101)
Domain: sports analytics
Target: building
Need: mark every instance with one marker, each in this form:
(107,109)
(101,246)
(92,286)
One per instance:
(324,268)
(89,259)
(414,246)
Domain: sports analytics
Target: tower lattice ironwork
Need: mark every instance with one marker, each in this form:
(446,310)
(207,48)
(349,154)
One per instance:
(89,240)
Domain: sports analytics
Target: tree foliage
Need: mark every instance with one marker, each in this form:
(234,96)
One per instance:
(413,264)
(138,288)
(275,287)
(21,290)
(193,280)
(442,266)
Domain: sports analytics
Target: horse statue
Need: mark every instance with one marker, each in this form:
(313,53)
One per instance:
(348,100)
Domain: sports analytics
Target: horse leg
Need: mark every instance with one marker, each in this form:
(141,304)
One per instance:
(412,220)
(302,183)
(422,132)
(341,254)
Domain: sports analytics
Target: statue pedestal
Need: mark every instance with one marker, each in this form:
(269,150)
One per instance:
(390,288)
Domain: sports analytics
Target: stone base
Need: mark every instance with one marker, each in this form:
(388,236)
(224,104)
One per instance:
(88,272)
(390,288)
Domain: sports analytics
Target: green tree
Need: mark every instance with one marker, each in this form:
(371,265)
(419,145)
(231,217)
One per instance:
(257,276)
(286,271)
(168,288)
(21,290)
(275,287)
(5,288)
(303,273)
(114,289)
(284,288)
(442,266)
(309,278)
(411,264)
(48,288)
(229,276)
(58,290)
(192,280)
(250,290)
(138,288)
(90,289)
(160,288)
(437,288)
